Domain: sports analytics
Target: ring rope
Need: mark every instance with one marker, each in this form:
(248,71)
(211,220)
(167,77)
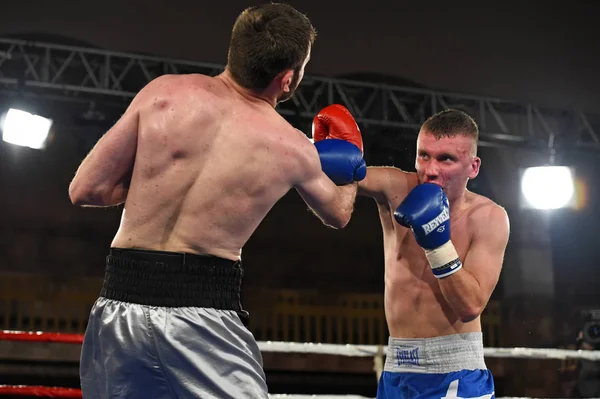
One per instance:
(275,346)
(57,392)
(294,396)
(330,349)
(373,350)
(46,392)
(40,336)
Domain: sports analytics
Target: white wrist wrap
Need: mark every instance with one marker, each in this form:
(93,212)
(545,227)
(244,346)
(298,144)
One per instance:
(443,260)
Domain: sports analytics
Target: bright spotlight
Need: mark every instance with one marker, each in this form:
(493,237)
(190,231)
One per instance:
(24,129)
(548,187)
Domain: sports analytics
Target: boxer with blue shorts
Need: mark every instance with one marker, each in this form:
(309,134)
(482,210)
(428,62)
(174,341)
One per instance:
(448,367)
(444,248)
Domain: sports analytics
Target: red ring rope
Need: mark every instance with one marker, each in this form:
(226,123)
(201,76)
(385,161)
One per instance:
(41,337)
(48,392)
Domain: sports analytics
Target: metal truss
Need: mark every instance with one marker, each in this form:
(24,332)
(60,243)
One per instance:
(99,75)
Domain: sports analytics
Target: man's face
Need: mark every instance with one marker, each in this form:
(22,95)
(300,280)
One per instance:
(447,161)
(295,82)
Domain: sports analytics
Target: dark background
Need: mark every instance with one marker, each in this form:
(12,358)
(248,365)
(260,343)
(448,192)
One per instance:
(527,51)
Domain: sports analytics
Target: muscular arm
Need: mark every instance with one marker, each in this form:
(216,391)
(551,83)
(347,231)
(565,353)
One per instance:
(384,184)
(330,203)
(374,184)
(103,177)
(387,186)
(468,290)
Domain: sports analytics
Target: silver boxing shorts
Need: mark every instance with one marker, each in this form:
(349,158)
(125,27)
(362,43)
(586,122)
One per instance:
(169,325)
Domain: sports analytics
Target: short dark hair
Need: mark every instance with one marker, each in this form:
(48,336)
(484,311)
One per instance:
(267,40)
(450,123)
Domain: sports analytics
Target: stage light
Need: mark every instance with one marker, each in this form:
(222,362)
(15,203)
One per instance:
(25,129)
(548,187)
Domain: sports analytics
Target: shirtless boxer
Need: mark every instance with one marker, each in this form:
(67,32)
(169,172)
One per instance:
(198,162)
(437,280)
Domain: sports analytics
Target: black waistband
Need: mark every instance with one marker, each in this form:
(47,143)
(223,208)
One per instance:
(169,279)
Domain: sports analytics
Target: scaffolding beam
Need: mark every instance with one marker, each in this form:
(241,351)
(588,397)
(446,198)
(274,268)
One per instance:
(78,72)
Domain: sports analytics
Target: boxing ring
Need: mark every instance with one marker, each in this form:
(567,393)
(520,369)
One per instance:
(376,352)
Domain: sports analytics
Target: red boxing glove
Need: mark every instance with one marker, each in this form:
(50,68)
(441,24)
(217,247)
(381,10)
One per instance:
(336,122)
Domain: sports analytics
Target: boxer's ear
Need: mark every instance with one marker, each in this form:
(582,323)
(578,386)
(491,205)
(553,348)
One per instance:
(287,77)
(474,167)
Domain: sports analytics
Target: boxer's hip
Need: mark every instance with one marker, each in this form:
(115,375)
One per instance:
(139,351)
(446,366)
(172,279)
(168,325)
(443,354)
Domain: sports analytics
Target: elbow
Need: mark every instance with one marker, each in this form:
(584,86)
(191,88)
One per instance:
(341,221)
(334,224)
(75,194)
(337,223)
(467,317)
(81,196)
(470,313)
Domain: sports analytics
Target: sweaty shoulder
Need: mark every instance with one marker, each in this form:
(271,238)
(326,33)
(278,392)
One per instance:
(304,155)
(487,214)
(162,92)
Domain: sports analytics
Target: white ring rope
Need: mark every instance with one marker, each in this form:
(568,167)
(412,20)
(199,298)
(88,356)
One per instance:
(541,353)
(325,349)
(377,352)
(374,350)
(293,396)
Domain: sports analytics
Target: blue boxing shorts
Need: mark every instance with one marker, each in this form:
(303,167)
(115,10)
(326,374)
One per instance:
(447,367)
(170,325)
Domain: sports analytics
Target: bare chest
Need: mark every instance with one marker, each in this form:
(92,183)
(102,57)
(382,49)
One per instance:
(412,257)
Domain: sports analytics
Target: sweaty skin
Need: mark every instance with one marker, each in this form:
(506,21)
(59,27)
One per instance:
(198,164)
(418,305)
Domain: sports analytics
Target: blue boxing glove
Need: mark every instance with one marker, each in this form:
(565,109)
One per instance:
(341,161)
(426,211)
(339,143)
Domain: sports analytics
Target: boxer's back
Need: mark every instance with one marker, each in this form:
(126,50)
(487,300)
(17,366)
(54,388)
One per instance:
(210,164)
